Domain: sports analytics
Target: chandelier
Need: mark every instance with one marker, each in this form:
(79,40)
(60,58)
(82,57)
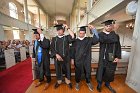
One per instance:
(130,25)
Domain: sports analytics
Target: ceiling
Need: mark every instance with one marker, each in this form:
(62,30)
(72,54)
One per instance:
(52,7)
(117,13)
(58,7)
(62,9)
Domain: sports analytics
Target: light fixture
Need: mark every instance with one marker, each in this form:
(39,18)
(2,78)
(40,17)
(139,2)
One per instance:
(131,24)
(131,10)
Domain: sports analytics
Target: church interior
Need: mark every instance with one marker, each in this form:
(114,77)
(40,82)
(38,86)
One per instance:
(19,17)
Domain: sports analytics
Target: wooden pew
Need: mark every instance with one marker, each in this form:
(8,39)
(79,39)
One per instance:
(94,66)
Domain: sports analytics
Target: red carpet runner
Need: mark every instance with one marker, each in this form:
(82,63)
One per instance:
(16,79)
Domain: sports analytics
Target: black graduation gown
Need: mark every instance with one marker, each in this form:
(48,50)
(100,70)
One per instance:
(106,69)
(72,49)
(44,66)
(72,52)
(83,57)
(61,46)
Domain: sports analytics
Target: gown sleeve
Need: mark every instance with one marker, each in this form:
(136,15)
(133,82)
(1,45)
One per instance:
(94,40)
(70,39)
(45,44)
(118,49)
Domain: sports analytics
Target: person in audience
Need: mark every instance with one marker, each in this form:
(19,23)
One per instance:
(24,43)
(18,46)
(4,45)
(32,43)
(9,41)
(0,44)
(61,55)
(27,44)
(82,53)
(1,50)
(109,55)
(41,54)
(2,57)
(12,45)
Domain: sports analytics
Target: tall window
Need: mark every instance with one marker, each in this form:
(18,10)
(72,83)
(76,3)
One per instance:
(16,34)
(30,19)
(13,10)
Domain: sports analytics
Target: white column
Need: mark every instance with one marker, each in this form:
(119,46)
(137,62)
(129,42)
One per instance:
(26,11)
(47,21)
(39,16)
(89,4)
(78,12)
(2,35)
(28,35)
(133,75)
(70,21)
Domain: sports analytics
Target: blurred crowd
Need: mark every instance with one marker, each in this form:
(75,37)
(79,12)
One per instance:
(16,45)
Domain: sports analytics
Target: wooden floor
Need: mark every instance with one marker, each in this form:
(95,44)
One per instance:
(119,85)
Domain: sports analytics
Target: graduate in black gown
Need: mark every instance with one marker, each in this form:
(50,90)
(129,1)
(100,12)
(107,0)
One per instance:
(82,53)
(110,53)
(60,53)
(41,54)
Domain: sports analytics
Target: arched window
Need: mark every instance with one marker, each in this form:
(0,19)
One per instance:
(13,10)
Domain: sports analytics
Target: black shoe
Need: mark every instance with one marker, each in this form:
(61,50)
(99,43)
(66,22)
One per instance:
(99,88)
(56,85)
(70,85)
(111,89)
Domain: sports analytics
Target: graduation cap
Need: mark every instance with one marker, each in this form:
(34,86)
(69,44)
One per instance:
(108,22)
(59,27)
(35,31)
(83,28)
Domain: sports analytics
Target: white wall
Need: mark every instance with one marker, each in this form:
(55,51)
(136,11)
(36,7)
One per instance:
(2,35)
(9,35)
(133,75)
(125,35)
(99,9)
